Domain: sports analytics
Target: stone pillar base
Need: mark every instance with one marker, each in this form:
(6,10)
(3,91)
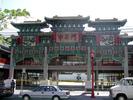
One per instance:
(88,86)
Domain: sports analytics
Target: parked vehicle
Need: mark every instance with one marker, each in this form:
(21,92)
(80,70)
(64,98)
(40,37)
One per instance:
(7,88)
(123,90)
(6,92)
(48,92)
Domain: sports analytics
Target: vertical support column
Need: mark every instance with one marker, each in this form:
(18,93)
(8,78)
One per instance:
(88,82)
(89,66)
(92,72)
(96,75)
(45,66)
(11,70)
(126,61)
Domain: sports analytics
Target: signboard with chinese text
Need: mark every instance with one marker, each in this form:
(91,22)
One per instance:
(67,37)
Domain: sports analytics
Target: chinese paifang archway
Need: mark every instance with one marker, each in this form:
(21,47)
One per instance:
(66,47)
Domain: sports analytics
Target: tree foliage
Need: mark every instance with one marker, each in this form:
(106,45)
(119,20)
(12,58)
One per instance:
(5,40)
(6,16)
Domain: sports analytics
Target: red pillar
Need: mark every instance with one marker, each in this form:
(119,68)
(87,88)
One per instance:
(92,73)
(53,36)
(37,39)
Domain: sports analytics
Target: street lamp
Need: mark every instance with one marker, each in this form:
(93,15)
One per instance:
(92,72)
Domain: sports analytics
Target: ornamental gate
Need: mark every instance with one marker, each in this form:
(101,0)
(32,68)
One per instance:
(35,49)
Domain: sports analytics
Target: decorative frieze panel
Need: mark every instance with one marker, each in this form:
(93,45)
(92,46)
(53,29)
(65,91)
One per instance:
(108,40)
(109,52)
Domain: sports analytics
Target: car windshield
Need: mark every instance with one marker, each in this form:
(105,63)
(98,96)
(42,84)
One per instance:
(45,88)
(125,82)
(120,82)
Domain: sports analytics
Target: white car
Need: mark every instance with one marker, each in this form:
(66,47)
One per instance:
(48,92)
(123,90)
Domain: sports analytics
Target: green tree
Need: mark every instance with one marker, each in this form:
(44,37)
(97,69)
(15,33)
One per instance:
(1,39)
(6,16)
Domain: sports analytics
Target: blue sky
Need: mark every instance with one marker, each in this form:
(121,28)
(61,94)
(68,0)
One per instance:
(121,9)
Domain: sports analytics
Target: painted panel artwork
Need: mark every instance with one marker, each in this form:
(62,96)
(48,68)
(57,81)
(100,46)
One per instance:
(107,40)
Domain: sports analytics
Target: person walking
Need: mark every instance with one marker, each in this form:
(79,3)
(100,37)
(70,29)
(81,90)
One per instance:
(12,85)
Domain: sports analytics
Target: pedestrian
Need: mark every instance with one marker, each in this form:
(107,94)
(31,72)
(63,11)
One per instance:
(12,85)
